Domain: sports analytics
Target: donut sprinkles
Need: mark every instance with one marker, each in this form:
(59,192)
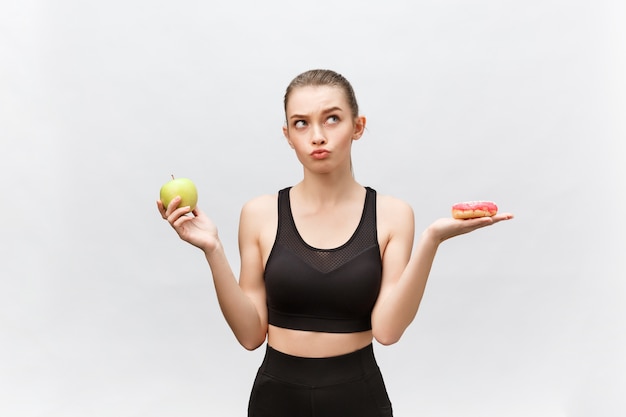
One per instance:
(474,209)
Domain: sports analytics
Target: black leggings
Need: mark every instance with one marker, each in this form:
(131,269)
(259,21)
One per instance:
(340,386)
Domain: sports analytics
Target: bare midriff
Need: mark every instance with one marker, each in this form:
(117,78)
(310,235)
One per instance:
(316,344)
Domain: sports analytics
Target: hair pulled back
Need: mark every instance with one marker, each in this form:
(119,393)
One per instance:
(323,77)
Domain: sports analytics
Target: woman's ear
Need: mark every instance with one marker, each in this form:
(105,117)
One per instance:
(286,135)
(359,127)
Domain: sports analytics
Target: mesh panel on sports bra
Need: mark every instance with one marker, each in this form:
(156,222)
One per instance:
(327,260)
(324,290)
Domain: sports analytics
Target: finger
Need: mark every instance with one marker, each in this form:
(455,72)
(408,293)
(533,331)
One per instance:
(177,214)
(172,206)
(183,218)
(502,216)
(162,209)
(159,204)
(479,222)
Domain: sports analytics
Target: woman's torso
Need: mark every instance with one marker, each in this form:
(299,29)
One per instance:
(323,228)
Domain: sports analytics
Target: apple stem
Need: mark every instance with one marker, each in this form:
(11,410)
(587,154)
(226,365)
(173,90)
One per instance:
(172,176)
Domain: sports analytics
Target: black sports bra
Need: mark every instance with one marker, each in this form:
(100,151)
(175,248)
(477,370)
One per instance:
(324,290)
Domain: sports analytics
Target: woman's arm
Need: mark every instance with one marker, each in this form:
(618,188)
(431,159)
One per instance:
(242,303)
(405,274)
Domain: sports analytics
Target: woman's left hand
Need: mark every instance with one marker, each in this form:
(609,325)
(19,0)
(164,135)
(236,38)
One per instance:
(445,228)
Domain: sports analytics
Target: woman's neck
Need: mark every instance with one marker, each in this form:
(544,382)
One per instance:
(327,189)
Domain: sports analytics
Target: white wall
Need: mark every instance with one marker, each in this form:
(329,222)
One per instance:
(104,312)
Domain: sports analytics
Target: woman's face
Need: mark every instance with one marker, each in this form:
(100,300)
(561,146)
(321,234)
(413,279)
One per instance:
(321,127)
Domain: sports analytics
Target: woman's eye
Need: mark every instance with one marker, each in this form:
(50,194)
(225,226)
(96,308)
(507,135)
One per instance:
(299,124)
(332,120)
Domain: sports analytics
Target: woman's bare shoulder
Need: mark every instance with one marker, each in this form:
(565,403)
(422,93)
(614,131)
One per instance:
(260,207)
(395,220)
(393,207)
(258,222)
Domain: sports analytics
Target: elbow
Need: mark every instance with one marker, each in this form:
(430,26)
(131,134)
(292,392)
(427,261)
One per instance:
(387,331)
(387,341)
(387,337)
(252,343)
(251,346)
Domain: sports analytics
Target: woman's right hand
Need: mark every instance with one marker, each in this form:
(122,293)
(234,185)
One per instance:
(192,226)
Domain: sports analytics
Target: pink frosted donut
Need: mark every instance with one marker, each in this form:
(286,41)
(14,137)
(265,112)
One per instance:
(474,209)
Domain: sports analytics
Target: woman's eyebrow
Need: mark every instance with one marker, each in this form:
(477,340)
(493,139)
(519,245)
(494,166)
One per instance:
(325,111)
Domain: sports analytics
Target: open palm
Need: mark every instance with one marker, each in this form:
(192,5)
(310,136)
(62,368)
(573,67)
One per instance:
(445,228)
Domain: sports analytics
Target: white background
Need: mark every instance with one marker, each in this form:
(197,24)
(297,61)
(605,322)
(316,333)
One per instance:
(104,312)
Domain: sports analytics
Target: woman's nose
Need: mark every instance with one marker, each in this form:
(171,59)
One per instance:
(318,137)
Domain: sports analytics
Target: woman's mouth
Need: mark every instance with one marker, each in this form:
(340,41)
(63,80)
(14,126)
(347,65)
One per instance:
(320,154)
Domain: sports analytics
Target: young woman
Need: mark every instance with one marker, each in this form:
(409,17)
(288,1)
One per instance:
(327,266)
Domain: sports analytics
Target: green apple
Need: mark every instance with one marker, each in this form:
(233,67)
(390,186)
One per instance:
(183,187)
